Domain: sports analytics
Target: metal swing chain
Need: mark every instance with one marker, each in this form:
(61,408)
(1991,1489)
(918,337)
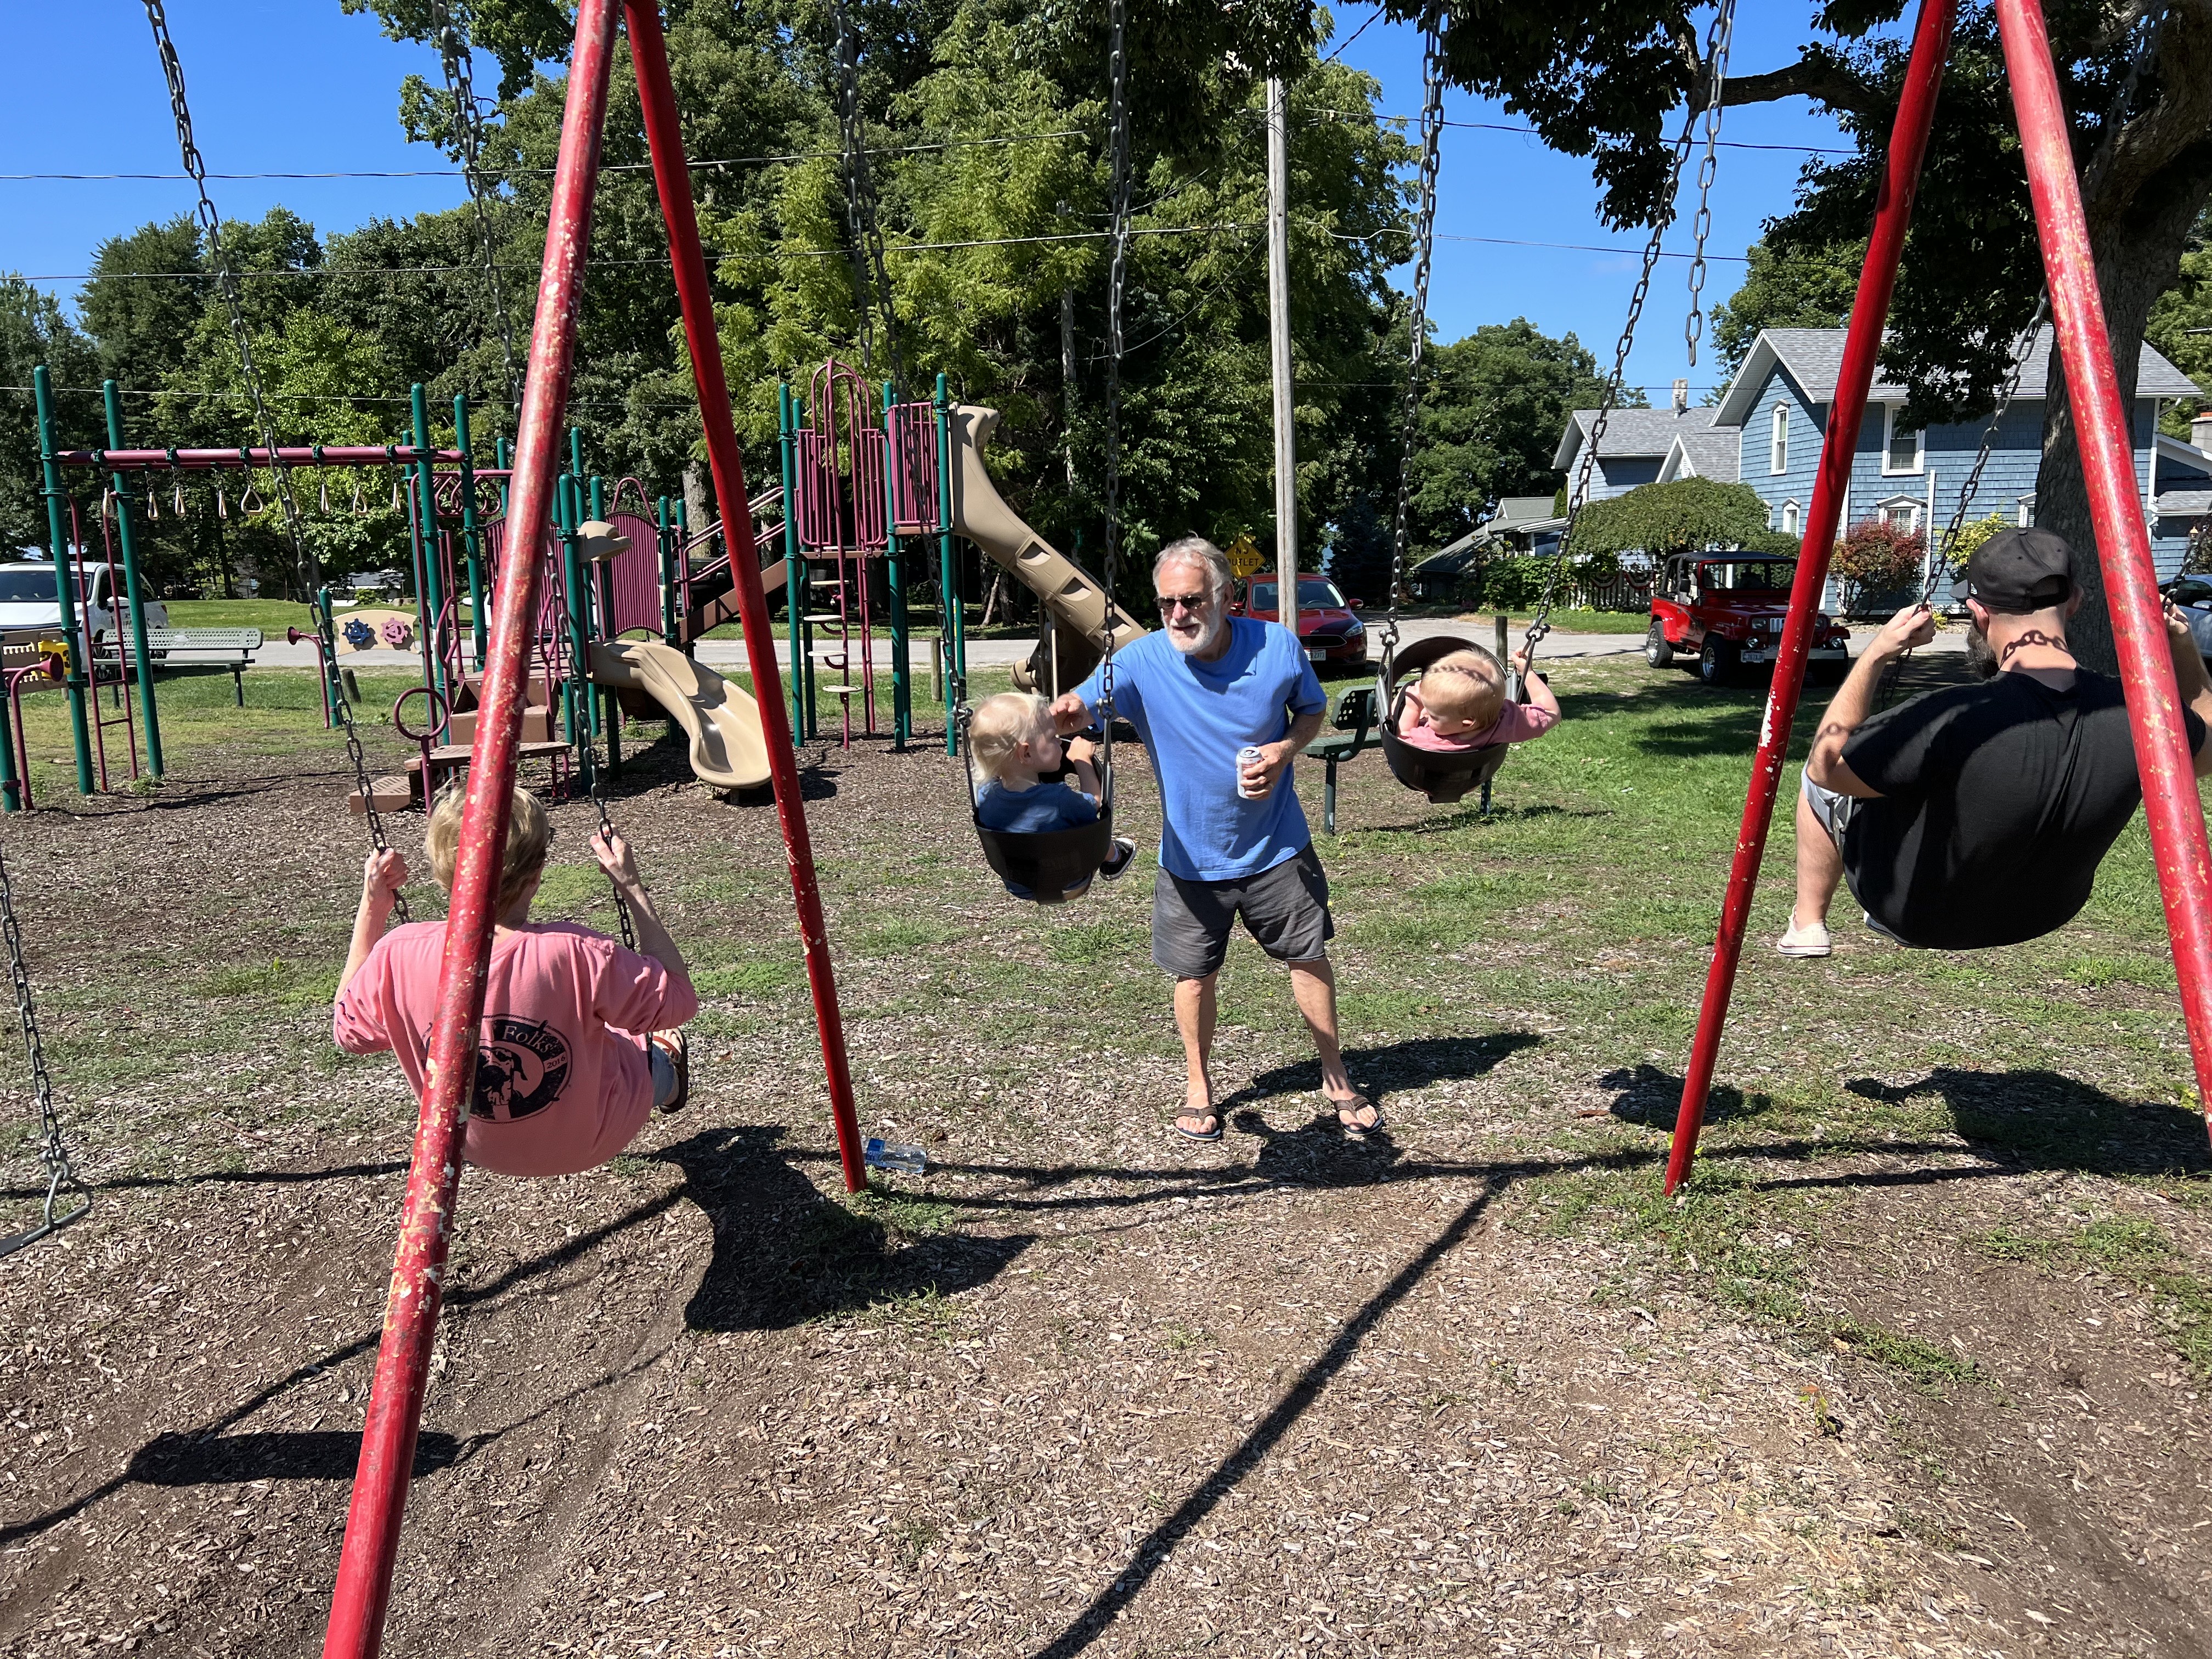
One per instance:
(1586,466)
(860,203)
(579,652)
(453,52)
(1425,221)
(53,1151)
(1116,275)
(1716,51)
(310,568)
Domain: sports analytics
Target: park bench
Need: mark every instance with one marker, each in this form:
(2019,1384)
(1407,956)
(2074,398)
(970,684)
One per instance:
(226,647)
(1351,729)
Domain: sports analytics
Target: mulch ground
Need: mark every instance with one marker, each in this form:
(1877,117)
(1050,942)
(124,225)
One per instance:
(1076,1389)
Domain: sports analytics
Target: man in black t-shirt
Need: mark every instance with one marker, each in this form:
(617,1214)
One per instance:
(1977,815)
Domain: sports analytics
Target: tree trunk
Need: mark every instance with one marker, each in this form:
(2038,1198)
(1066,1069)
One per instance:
(698,499)
(2145,198)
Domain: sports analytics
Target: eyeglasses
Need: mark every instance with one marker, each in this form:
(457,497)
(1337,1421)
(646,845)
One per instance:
(1169,602)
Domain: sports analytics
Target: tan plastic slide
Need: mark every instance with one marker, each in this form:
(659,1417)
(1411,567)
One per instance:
(723,722)
(1070,597)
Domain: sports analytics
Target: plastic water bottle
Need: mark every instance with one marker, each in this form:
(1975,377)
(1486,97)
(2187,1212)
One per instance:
(906,1160)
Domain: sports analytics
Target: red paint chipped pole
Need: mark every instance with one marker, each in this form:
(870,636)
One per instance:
(649,52)
(1908,144)
(2170,801)
(363,1592)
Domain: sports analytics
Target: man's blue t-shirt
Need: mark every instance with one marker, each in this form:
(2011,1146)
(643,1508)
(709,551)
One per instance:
(1193,717)
(1047,807)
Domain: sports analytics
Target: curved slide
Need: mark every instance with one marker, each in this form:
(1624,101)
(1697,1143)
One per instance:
(1070,597)
(723,722)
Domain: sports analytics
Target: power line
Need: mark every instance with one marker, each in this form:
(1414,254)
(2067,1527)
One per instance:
(929,146)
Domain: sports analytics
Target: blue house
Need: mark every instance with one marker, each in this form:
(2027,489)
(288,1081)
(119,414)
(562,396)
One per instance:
(1634,447)
(1775,408)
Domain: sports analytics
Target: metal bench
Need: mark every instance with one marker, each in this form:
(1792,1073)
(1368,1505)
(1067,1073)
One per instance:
(1351,721)
(237,645)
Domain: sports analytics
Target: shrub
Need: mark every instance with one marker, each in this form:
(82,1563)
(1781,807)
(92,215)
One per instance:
(1875,554)
(1972,535)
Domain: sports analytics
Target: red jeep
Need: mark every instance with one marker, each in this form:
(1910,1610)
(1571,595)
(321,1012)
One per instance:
(1727,610)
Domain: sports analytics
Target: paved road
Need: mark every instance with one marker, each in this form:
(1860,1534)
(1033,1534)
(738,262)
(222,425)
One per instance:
(726,655)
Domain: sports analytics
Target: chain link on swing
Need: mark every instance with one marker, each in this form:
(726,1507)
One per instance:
(593,782)
(1116,277)
(1425,222)
(454,53)
(1716,51)
(1716,43)
(62,1177)
(309,568)
(866,231)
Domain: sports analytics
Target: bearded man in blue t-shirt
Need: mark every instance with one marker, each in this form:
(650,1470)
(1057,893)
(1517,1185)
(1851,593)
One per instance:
(1234,845)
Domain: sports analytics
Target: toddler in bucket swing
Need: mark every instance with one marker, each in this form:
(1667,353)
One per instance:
(579,1042)
(1459,703)
(1012,742)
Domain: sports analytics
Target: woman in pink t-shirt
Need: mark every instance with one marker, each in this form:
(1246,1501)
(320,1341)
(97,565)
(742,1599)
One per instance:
(1459,703)
(578,1043)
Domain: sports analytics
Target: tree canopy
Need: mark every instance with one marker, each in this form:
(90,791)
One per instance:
(1688,515)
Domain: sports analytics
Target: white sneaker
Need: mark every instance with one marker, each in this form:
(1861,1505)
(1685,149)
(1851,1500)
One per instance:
(1809,940)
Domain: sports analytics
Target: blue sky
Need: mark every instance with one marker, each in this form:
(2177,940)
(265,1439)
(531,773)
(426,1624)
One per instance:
(299,87)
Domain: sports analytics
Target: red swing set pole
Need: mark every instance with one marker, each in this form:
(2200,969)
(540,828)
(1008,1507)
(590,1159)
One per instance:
(363,1592)
(671,173)
(1908,145)
(2170,801)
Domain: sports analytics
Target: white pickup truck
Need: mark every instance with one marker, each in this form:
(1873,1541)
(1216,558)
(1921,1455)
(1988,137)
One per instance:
(30,610)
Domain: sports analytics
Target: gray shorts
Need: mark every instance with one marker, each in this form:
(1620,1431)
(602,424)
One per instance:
(1285,907)
(1833,811)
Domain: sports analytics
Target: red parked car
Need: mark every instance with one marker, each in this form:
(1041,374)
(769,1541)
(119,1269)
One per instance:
(1326,626)
(1727,610)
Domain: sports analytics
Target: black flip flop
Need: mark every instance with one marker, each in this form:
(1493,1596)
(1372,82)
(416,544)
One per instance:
(1357,1104)
(1190,1134)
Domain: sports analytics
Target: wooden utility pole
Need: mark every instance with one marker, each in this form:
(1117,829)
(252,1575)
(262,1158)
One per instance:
(1279,330)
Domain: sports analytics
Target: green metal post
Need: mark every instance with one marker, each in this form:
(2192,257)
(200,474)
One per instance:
(575,700)
(130,540)
(498,454)
(680,551)
(794,571)
(42,390)
(434,575)
(948,569)
(895,581)
(471,531)
(610,711)
(667,575)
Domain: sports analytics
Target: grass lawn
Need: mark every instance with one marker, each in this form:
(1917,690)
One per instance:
(1915,1355)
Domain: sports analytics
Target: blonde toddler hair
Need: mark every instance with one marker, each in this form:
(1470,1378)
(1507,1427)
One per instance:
(1458,688)
(1001,723)
(529,833)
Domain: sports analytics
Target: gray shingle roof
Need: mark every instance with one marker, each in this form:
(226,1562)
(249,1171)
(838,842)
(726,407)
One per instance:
(1716,452)
(2183,504)
(1629,432)
(1814,358)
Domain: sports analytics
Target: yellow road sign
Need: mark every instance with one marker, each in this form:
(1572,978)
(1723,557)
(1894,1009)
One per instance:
(1245,558)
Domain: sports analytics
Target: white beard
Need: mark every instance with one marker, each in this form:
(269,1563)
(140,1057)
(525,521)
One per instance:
(1192,645)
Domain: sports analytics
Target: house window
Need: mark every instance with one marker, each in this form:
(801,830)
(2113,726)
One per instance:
(1901,445)
(1790,517)
(1901,512)
(1778,461)
(2027,510)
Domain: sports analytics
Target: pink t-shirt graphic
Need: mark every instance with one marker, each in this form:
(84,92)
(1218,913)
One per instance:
(562,1083)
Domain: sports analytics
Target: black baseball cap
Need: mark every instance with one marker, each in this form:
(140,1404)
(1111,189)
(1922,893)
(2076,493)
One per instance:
(2019,571)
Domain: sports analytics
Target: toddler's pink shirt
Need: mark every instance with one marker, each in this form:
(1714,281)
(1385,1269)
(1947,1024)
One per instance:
(1517,722)
(559,1087)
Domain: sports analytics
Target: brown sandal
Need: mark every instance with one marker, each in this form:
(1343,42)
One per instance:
(677,1047)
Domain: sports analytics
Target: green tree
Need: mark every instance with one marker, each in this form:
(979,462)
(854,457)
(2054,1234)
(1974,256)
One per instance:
(1686,516)
(34,331)
(2181,326)
(1492,412)
(1601,78)
(1794,288)
(136,308)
